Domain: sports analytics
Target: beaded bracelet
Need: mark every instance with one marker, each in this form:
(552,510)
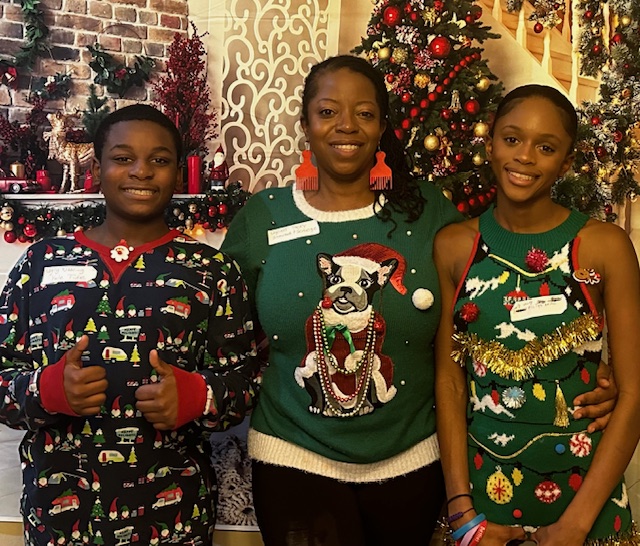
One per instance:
(468,526)
(449,501)
(458,515)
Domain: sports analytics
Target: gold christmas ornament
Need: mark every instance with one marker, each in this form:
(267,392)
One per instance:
(384,53)
(421,80)
(625,20)
(447,193)
(477,160)
(432,143)
(400,55)
(483,84)
(481,129)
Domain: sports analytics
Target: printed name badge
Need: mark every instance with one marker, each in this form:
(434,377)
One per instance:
(540,306)
(294,231)
(68,273)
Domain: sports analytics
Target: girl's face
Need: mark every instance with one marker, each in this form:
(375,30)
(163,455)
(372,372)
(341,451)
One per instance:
(138,170)
(344,126)
(529,150)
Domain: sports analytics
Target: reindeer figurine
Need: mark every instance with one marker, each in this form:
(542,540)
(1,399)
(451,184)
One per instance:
(72,156)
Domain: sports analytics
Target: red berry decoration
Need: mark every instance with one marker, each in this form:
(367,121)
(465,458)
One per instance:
(10,236)
(440,47)
(469,312)
(538,27)
(472,107)
(618,136)
(536,260)
(391,16)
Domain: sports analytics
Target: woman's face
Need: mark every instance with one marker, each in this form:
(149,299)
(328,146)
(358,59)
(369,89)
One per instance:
(344,126)
(530,149)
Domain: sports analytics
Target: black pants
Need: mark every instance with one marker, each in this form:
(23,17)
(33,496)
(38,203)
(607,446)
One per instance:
(295,508)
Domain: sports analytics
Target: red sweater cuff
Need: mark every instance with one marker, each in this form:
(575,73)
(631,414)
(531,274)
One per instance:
(192,396)
(52,395)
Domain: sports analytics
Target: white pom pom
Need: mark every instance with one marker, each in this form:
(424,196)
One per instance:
(422,298)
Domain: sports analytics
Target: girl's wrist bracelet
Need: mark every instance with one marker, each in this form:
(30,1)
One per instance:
(467,526)
(449,501)
(458,515)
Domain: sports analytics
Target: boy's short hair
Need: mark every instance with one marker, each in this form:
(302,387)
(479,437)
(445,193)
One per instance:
(135,112)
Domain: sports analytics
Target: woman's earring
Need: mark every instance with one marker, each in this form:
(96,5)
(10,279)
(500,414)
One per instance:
(306,173)
(380,177)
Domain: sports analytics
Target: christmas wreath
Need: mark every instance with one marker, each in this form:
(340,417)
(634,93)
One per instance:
(116,76)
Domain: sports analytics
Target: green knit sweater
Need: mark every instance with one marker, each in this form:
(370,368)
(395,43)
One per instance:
(381,416)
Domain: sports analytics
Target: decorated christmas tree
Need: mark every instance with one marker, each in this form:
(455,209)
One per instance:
(183,93)
(606,165)
(442,92)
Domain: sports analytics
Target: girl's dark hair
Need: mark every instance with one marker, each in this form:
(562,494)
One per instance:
(135,112)
(405,196)
(569,116)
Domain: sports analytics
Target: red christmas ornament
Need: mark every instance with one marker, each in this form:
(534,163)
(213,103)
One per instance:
(424,103)
(616,38)
(391,16)
(406,97)
(405,124)
(514,296)
(469,312)
(618,136)
(538,27)
(536,260)
(588,14)
(399,134)
(440,47)
(463,207)
(30,230)
(222,209)
(595,120)
(596,49)
(472,107)
(601,152)
(10,236)
(438,5)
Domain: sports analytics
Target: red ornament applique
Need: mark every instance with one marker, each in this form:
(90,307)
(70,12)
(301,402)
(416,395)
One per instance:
(580,444)
(514,296)
(544,289)
(469,312)
(548,491)
(617,524)
(575,481)
(536,260)
(585,376)
(477,461)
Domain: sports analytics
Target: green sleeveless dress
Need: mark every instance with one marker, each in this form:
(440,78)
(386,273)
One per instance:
(530,338)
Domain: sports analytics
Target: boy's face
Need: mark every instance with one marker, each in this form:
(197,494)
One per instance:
(138,170)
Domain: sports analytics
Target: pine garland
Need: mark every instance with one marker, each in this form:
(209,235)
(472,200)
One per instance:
(37,33)
(193,215)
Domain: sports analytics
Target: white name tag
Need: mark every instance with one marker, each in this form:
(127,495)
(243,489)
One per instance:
(538,307)
(68,273)
(294,231)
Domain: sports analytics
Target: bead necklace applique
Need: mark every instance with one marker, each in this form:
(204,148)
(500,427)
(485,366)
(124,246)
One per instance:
(362,369)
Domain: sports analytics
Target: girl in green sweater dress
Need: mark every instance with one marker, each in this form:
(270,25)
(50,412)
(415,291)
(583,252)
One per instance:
(528,283)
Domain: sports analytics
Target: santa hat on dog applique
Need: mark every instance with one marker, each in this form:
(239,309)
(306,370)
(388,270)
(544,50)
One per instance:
(370,257)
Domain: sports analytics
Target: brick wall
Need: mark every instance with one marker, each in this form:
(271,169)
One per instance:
(124,28)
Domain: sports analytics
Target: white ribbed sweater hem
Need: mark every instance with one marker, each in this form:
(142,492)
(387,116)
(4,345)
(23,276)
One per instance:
(272,450)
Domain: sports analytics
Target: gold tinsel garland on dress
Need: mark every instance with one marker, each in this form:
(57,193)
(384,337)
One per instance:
(539,352)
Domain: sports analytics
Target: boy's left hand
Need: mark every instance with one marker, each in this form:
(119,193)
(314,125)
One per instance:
(158,402)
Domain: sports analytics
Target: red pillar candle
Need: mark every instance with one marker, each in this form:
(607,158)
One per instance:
(194,168)
(42,178)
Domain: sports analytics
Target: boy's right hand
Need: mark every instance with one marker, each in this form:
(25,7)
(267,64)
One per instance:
(85,388)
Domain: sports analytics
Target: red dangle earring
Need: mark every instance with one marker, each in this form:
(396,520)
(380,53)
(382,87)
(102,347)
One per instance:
(306,173)
(380,177)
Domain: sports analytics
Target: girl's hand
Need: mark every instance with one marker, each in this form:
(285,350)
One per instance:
(500,535)
(599,403)
(559,534)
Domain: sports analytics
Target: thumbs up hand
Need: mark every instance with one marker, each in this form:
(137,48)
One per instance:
(85,388)
(158,402)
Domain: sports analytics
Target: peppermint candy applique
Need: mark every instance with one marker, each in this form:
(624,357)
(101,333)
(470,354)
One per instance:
(580,445)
